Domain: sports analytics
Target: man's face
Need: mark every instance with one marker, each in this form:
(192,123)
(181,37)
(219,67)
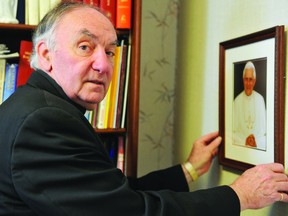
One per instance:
(83,58)
(249,81)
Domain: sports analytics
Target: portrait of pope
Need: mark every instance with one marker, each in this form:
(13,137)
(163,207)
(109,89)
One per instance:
(249,108)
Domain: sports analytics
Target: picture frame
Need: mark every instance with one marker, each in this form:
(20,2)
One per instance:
(250,137)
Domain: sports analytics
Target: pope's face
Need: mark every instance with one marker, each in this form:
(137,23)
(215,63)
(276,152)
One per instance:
(249,81)
(83,58)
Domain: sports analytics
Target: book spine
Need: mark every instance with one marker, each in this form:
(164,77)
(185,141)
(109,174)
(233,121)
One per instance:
(123,14)
(92,2)
(10,80)
(33,12)
(44,7)
(20,16)
(94,116)
(24,69)
(120,62)
(53,3)
(2,77)
(123,117)
(121,87)
(114,87)
(107,107)
(120,156)
(109,8)
(100,114)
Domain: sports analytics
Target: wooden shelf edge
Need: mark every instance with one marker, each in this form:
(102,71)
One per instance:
(17,26)
(111,130)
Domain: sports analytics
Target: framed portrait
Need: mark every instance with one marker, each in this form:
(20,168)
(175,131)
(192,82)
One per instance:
(251,99)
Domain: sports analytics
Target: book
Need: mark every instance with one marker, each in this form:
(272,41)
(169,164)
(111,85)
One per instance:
(10,80)
(119,105)
(44,7)
(20,15)
(114,86)
(72,0)
(92,2)
(2,77)
(5,52)
(109,8)
(120,156)
(101,112)
(32,11)
(107,105)
(88,115)
(111,145)
(123,117)
(26,13)
(123,14)
(53,3)
(24,69)
(9,55)
(94,116)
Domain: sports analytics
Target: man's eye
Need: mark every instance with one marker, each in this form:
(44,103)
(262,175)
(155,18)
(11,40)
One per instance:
(84,49)
(110,53)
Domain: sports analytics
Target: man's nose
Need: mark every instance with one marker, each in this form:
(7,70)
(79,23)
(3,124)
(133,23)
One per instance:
(101,61)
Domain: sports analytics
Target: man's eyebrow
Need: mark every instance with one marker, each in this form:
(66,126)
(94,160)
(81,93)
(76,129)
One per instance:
(88,33)
(116,43)
(94,37)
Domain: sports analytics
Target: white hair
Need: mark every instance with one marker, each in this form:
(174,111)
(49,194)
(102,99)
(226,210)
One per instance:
(46,29)
(250,65)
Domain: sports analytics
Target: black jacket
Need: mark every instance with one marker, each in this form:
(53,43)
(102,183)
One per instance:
(53,163)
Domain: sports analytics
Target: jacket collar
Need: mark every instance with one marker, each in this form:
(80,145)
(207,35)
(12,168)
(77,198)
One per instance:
(41,80)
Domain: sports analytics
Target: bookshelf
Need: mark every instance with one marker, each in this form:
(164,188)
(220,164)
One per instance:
(12,34)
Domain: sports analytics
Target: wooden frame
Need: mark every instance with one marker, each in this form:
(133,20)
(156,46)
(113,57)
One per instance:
(266,50)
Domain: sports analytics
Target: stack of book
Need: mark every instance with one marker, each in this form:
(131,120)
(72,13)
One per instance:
(115,146)
(30,12)
(14,74)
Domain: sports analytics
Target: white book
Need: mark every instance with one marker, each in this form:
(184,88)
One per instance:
(33,11)
(101,115)
(44,7)
(9,55)
(53,3)
(126,87)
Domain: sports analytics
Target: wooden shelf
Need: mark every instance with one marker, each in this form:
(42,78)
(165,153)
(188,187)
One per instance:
(111,130)
(17,26)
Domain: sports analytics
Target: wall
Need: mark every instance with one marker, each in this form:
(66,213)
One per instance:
(158,47)
(203,24)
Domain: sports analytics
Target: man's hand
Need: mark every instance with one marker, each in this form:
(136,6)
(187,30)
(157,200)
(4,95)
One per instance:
(203,151)
(251,141)
(261,186)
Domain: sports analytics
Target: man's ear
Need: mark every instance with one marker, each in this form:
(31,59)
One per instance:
(44,56)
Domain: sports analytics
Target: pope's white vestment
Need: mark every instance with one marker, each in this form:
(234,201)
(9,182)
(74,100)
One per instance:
(249,114)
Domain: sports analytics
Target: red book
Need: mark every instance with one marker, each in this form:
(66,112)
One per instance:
(121,154)
(123,14)
(109,8)
(24,69)
(71,0)
(92,2)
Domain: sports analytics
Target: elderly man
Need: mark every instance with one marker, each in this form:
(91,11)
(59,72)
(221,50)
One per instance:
(249,123)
